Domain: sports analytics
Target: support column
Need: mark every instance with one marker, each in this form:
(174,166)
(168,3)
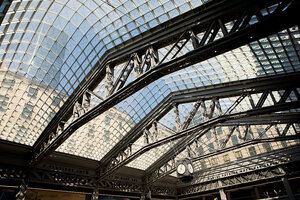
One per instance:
(109,80)
(288,188)
(222,194)
(286,184)
(22,190)
(95,195)
(221,191)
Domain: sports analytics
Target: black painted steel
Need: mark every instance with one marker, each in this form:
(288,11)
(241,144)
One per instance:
(261,29)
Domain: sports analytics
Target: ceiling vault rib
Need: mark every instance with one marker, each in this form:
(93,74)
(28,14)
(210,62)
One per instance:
(222,91)
(287,158)
(113,160)
(209,123)
(46,144)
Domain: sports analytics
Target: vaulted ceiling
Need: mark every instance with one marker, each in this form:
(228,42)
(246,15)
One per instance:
(131,87)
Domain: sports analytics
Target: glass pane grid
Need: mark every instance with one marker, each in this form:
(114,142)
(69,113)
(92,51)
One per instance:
(51,42)
(48,47)
(148,158)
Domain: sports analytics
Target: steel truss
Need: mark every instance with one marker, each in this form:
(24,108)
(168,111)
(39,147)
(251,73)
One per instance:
(263,174)
(286,84)
(274,118)
(50,177)
(245,171)
(116,183)
(169,167)
(122,153)
(260,161)
(265,166)
(142,59)
(165,164)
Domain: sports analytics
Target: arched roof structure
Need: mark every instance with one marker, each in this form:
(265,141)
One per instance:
(115,83)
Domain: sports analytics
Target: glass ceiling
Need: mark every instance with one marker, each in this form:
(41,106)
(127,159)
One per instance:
(48,47)
(55,44)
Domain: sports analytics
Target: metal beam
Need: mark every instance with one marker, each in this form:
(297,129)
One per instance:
(288,188)
(136,132)
(248,143)
(240,180)
(227,172)
(161,36)
(191,115)
(262,28)
(152,178)
(202,126)
(274,118)
(294,117)
(236,88)
(58,176)
(180,146)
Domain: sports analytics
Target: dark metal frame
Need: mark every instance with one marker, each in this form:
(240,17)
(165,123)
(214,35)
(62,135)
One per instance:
(140,57)
(210,19)
(121,154)
(245,171)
